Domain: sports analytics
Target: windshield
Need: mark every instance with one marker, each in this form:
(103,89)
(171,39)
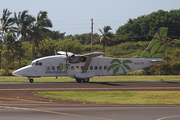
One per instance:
(37,63)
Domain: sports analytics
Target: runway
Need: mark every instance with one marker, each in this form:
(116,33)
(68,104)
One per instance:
(55,112)
(17,102)
(73,86)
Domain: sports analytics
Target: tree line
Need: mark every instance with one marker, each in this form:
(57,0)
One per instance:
(146,25)
(24,37)
(141,28)
(23,27)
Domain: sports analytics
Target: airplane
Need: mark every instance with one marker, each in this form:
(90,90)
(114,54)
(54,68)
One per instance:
(83,67)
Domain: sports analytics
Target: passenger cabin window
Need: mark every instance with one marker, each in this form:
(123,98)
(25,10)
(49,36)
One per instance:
(53,68)
(105,67)
(91,67)
(81,67)
(67,67)
(100,67)
(48,68)
(72,67)
(58,68)
(77,67)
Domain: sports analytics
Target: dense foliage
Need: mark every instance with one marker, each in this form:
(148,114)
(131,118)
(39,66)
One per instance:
(129,40)
(149,24)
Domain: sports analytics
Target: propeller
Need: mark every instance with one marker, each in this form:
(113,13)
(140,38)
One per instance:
(66,53)
(69,56)
(55,51)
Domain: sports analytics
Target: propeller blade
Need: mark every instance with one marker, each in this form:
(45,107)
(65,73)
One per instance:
(66,53)
(55,52)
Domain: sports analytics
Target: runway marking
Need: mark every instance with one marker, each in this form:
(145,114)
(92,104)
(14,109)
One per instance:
(23,100)
(136,88)
(60,113)
(168,117)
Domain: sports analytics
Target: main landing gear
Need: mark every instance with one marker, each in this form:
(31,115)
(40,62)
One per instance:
(85,80)
(31,80)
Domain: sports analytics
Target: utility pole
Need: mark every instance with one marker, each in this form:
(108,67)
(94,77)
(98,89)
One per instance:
(92,35)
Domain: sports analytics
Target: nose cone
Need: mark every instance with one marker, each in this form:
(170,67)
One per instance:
(21,71)
(17,73)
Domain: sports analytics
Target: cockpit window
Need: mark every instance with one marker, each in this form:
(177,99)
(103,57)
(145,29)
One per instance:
(36,64)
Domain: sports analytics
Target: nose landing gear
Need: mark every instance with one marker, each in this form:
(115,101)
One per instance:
(31,80)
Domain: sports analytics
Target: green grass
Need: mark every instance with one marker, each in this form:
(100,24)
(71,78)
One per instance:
(117,97)
(95,79)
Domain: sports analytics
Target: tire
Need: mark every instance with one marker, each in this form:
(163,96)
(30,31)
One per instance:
(78,80)
(31,80)
(86,80)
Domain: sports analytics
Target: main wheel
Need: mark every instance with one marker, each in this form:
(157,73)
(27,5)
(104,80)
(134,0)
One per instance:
(78,80)
(31,80)
(86,80)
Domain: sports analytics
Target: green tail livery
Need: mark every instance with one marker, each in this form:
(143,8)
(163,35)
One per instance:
(156,47)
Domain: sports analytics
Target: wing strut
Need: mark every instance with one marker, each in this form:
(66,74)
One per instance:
(89,58)
(86,65)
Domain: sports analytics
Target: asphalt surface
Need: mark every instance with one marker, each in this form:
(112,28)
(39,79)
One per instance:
(17,102)
(56,112)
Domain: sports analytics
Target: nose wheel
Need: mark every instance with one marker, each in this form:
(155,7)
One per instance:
(31,80)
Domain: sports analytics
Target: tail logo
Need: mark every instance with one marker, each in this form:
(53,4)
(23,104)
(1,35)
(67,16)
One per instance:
(156,47)
(116,63)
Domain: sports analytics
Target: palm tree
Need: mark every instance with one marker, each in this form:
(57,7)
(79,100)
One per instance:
(24,22)
(40,29)
(105,35)
(9,43)
(6,24)
(6,21)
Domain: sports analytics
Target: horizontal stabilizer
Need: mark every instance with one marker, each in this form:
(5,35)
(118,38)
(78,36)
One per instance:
(157,60)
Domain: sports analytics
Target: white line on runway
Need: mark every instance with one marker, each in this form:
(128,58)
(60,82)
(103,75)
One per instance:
(136,88)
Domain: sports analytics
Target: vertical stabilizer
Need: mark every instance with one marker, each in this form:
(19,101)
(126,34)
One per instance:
(156,46)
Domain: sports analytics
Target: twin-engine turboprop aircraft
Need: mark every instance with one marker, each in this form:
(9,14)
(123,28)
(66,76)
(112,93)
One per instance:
(83,67)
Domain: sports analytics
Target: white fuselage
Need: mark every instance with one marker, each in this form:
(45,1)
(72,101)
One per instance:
(99,66)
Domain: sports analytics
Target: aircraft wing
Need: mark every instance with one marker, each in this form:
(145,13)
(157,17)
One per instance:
(89,58)
(64,53)
(94,54)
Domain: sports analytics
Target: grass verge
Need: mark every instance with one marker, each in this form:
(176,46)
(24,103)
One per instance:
(117,97)
(95,79)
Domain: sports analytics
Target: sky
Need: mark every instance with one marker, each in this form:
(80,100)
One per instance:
(74,16)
